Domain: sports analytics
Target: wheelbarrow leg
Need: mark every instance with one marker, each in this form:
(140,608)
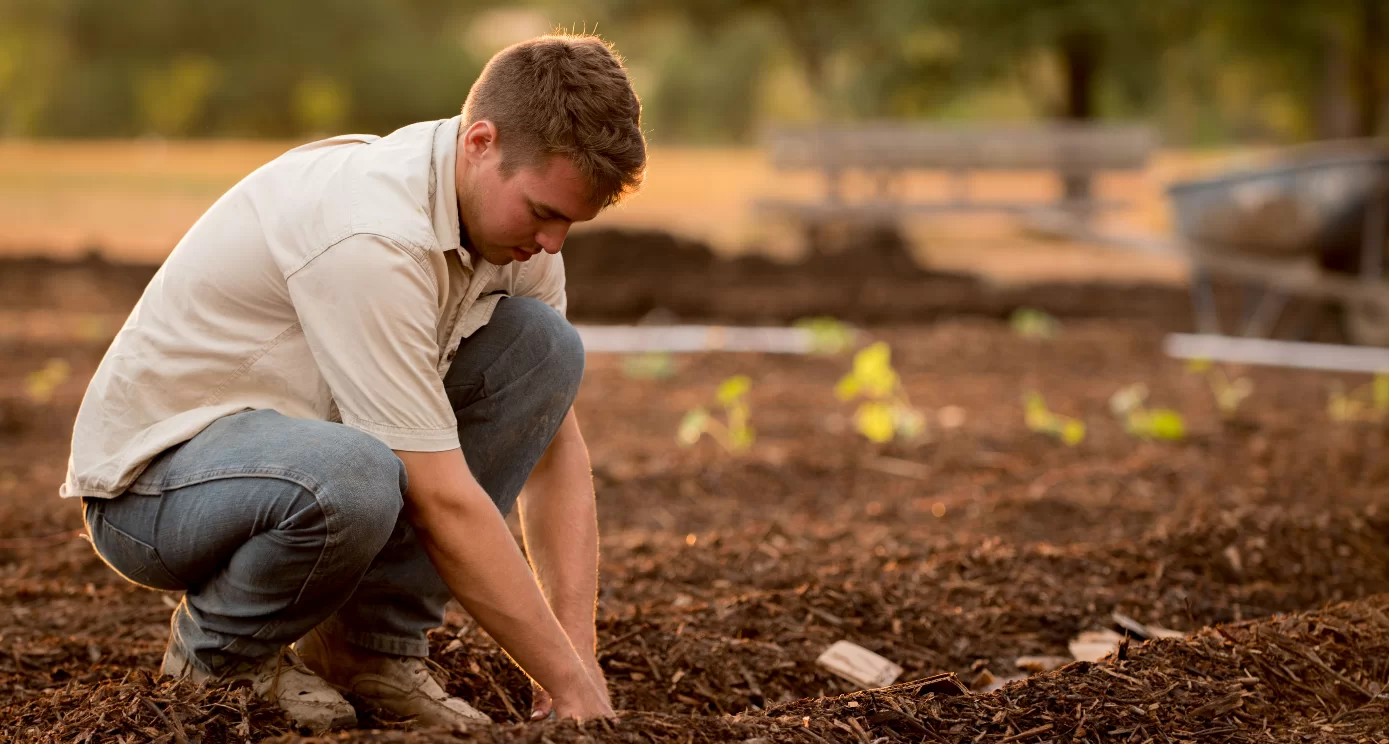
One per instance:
(1263,306)
(1203,301)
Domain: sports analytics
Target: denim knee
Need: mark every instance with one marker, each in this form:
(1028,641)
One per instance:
(550,340)
(363,489)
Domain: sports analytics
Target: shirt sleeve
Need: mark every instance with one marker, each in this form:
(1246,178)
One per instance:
(542,277)
(369,311)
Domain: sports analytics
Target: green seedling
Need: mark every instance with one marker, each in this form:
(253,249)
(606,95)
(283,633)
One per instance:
(886,412)
(1146,423)
(1369,402)
(40,384)
(734,433)
(1043,421)
(1033,324)
(650,365)
(827,335)
(1229,392)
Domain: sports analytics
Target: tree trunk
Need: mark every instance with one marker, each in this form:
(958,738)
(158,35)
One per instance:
(1080,54)
(1366,82)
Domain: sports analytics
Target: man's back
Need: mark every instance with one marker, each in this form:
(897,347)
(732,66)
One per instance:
(217,331)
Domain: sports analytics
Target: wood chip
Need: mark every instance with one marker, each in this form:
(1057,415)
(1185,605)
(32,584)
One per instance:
(1093,645)
(859,665)
(1036,664)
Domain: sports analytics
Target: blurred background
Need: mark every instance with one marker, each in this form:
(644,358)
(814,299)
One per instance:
(121,122)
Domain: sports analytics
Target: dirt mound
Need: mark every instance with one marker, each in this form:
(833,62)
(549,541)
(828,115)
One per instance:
(622,276)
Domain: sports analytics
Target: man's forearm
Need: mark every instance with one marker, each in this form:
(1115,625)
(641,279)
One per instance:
(469,544)
(560,524)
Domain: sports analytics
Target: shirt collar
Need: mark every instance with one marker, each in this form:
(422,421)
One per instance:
(445,207)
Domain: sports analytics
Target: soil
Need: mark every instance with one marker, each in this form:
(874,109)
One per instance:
(1265,536)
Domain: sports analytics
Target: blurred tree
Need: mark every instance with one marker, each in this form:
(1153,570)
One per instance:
(1330,54)
(1063,51)
(97,68)
(708,70)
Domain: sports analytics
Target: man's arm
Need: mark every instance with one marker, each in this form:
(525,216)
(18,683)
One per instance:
(559,521)
(475,554)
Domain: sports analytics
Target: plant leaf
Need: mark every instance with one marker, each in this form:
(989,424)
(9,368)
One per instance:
(1128,399)
(909,422)
(875,421)
(733,389)
(847,388)
(692,427)
(1166,424)
(1072,432)
(740,438)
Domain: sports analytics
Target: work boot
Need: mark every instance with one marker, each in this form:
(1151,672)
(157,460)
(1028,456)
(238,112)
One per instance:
(281,679)
(399,685)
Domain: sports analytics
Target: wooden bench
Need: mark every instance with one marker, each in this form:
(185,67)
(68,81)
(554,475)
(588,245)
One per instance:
(885,152)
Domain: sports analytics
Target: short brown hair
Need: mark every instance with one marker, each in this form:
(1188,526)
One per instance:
(564,94)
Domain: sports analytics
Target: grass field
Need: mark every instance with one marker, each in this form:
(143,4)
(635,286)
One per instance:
(133,200)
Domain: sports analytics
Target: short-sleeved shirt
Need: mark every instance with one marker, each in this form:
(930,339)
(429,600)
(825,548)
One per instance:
(329,284)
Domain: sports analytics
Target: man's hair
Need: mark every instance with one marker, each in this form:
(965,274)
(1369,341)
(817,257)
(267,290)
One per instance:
(564,94)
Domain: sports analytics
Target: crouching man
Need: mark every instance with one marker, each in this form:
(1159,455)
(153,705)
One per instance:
(344,376)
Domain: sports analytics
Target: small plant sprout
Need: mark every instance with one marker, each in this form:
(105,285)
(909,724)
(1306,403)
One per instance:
(885,412)
(734,433)
(1369,402)
(40,384)
(1033,324)
(649,365)
(827,335)
(1229,392)
(1043,421)
(1127,403)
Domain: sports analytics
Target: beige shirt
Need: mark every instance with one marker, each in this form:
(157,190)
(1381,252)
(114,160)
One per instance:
(329,284)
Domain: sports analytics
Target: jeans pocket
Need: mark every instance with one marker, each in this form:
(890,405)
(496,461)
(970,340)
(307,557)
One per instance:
(134,560)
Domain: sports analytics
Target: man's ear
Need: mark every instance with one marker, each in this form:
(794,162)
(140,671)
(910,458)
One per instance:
(480,140)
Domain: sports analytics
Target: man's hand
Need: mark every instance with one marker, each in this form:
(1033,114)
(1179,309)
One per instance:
(475,554)
(560,524)
(543,705)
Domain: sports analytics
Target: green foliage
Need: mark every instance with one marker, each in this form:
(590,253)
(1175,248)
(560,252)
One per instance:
(735,433)
(1033,324)
(707,70)
(886,413)
(1142,422)
(1042,420)
(1366,403)
(172,98)
(40,384)
(1229,392)
(650,365)
(827,335)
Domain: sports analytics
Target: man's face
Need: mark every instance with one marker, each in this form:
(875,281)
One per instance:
(512,218)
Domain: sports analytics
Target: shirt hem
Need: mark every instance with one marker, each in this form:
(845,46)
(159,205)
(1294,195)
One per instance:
(422,440)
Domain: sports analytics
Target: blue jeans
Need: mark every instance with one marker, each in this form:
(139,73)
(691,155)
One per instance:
(273,525)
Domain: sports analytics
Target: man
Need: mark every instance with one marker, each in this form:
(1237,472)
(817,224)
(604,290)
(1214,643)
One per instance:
(338,383)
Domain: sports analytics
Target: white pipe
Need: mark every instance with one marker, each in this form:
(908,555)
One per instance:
(1266,352)
(694,338)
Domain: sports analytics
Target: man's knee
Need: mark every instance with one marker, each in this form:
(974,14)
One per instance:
(545,345)
(363,488)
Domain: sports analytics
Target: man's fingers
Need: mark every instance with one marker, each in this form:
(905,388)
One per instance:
(542,705)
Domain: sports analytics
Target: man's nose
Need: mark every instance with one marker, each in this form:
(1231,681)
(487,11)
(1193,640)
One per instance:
(551,239)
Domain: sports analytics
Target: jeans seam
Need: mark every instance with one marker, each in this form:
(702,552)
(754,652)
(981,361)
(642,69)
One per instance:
(302,480)
(329,541)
